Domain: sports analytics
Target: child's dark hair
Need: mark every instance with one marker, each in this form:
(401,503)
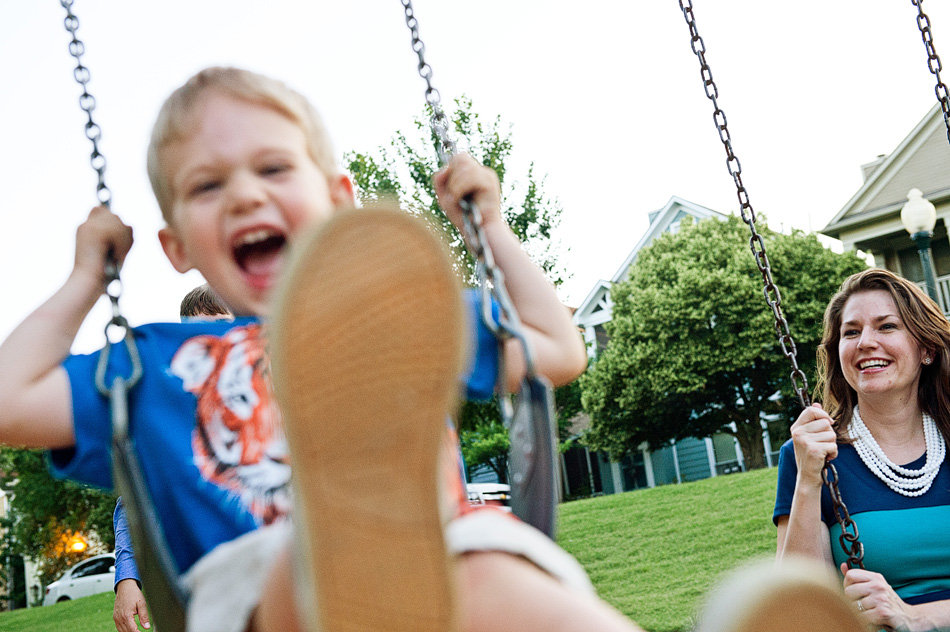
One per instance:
(202,301)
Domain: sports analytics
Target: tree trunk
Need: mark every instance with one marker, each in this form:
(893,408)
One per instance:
(750,435)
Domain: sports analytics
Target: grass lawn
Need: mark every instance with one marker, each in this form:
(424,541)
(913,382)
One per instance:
(652,553)
(89,614)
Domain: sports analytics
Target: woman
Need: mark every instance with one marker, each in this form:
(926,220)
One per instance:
(884,374)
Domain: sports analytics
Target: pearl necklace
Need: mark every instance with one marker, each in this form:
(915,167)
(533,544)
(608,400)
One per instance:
(900,479)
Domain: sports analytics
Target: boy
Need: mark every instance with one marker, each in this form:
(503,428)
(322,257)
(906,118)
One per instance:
(241,168)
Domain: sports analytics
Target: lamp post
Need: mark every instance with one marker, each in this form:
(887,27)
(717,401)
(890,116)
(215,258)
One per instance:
(919,217)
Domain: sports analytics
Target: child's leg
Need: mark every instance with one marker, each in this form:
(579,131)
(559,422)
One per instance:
(366,354)
(501,592)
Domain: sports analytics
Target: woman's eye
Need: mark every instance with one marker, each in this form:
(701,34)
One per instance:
(849,333)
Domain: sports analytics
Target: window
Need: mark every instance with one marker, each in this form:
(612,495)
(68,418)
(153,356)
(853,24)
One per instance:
(911,267)
(95,567)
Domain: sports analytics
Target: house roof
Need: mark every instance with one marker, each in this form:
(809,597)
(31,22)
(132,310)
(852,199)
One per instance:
(921,160)
(596,307)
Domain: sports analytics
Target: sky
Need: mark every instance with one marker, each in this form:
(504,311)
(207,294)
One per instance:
(605,97)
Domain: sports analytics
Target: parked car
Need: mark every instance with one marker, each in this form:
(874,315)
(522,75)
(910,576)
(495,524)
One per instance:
(88,577)
(497,494)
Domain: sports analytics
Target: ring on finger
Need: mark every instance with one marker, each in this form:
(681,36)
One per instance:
(860,606)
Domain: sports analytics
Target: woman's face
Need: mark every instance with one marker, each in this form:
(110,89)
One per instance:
(878,354)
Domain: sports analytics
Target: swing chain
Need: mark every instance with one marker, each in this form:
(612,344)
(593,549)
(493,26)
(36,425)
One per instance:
(933,62)
(849,529)
(88,103)
(490,278)
(439,121)
(113,284)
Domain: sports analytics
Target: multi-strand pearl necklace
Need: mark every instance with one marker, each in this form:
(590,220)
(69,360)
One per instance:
(900,479)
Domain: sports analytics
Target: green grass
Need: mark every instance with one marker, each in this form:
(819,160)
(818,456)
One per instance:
(89,614)
(652,553)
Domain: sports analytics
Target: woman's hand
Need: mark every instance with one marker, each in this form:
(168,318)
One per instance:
(879,604)
(815,441)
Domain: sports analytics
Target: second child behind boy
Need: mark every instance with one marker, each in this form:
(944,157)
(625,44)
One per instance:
(242,168)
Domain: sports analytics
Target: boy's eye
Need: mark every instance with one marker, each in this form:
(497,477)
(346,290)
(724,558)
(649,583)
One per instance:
(204,187)
(274,169)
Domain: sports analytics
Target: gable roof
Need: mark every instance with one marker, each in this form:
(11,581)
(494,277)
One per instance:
(596,308)
(921,160)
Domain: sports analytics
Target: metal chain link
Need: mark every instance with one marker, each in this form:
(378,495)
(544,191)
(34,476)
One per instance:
(98,161)
(849,538)
(490,278)
(933,62)
(88,103)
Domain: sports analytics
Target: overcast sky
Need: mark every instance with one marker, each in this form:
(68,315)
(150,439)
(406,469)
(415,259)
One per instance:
(604,96)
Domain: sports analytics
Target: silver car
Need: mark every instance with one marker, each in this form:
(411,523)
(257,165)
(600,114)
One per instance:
(88,577)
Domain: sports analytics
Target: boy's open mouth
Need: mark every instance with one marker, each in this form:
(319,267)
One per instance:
(258,253)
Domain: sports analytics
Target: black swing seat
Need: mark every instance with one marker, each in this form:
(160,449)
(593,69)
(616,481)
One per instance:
(166,594)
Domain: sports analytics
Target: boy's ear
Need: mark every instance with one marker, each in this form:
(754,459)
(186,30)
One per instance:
(341,191)
(174,249)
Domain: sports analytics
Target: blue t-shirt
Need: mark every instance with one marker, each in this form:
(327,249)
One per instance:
(205,427)
(905,539)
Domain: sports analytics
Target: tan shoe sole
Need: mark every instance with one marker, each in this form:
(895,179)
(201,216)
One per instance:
(367,349)
(794,596)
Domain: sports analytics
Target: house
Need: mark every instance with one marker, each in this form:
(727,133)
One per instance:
(585,472)
(870,221)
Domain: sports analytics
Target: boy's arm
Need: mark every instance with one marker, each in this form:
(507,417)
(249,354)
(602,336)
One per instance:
(559,350)
(35,400)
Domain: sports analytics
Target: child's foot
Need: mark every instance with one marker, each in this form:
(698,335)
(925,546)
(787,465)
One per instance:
(367,349)
(792,596)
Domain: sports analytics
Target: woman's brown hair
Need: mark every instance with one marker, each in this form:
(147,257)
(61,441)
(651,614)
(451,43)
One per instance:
(927,325)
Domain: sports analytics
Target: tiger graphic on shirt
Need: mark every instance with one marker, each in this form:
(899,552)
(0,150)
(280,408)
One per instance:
(238,441)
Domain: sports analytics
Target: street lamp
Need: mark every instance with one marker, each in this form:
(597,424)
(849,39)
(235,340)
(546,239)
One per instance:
(918,217)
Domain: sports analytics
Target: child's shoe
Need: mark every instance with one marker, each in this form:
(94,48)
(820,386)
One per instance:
(367,349)
(791,596)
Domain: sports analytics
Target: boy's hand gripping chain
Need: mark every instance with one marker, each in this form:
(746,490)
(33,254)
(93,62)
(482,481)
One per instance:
(533,459)
(167,596)
(849,530)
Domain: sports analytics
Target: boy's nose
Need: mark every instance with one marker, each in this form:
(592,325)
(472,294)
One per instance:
(245,193)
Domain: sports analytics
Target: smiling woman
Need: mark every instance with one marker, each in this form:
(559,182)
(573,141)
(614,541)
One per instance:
(884,372)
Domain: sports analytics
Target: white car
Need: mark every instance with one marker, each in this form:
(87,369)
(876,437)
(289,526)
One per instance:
(497,494)
(88,577)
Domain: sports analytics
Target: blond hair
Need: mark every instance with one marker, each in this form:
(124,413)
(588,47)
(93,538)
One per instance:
(176,118)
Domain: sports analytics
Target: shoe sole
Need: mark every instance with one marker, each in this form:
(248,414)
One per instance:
(792,596)
(367,349)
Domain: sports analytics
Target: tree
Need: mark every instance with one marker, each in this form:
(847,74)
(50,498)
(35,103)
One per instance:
(403,171)
(45,513)
(693,347)
(486,441)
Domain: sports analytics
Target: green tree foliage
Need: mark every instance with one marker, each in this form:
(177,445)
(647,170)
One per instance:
(45,512)
(693,346)
(485,440)
(403,170)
